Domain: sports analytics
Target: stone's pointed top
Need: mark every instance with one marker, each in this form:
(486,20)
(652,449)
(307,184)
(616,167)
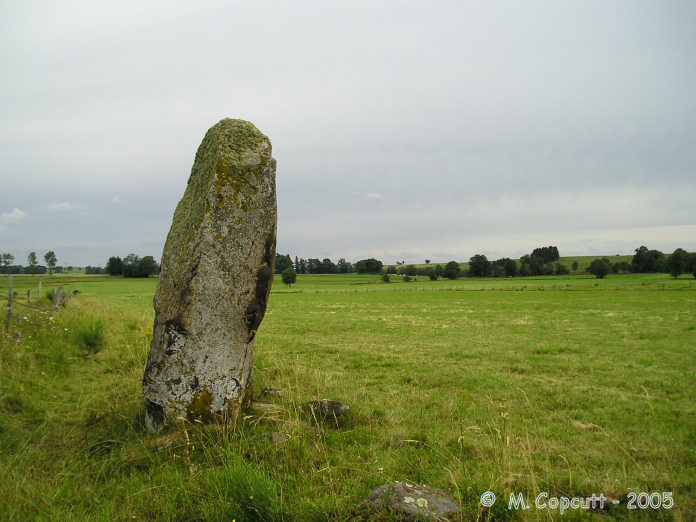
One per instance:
(242,134)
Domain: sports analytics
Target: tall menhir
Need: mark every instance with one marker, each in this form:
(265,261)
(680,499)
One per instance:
(217,270)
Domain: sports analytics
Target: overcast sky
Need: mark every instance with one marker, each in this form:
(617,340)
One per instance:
(402,130)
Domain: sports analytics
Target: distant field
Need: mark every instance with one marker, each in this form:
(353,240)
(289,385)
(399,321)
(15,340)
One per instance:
(584,261)
(566,385)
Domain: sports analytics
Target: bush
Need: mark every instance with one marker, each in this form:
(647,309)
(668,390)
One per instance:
(561,269)
(289,276)
(479,266)
(114,266)
(452,270)
(548,254)
(385,277)
(647,261)
(511,269)
(134,266)
(368,266)
(677,262)
(600,267)
(90,335)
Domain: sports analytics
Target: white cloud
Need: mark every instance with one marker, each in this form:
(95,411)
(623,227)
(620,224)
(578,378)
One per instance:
(13,216)
(368,196)
(116,200)
(61,207)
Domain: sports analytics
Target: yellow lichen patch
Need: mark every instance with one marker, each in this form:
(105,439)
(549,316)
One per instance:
(199,407)
(222,167)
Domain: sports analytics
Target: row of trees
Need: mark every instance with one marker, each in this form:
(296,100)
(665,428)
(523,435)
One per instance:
(33,266)
(648,261)
(677,263)
(326,266)
(132,266)
(541,261)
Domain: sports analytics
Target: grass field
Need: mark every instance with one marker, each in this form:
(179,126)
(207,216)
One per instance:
(566,385)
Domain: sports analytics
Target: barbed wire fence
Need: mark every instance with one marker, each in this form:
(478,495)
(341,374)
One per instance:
(58,298)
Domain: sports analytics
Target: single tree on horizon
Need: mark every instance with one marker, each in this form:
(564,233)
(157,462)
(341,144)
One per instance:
(51,260)
(32,261)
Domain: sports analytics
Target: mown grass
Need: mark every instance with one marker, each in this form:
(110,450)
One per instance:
(567,385)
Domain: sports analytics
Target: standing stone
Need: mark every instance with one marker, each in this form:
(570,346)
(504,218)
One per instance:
(217,270)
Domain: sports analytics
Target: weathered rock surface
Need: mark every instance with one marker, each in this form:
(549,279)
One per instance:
(217,269)
(328,408)
(276,438)
(412,500)
(265,410)
(272,391)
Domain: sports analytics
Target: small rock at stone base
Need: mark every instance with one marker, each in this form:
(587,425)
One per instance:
(272,390)
(413,500)
(168,441)
(264,409)
(327,407)
(276,438)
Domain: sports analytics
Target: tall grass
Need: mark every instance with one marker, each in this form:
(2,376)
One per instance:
(90,335)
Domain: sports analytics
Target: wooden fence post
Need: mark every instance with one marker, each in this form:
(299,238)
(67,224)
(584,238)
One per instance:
(28,296)
(9,307)
(58,299)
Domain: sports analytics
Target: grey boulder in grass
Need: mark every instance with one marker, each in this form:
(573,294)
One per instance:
(413,501)
(216,274)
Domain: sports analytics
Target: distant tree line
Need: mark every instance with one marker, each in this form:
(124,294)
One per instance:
(326,266)
(647,261)
(132,266)
(677,263)
(540,262)
(32,267)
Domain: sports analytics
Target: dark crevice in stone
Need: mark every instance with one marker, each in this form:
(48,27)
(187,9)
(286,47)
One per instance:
(264,278)
(154,413)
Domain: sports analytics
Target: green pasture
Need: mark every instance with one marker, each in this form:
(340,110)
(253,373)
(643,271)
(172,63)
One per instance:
(566,385)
